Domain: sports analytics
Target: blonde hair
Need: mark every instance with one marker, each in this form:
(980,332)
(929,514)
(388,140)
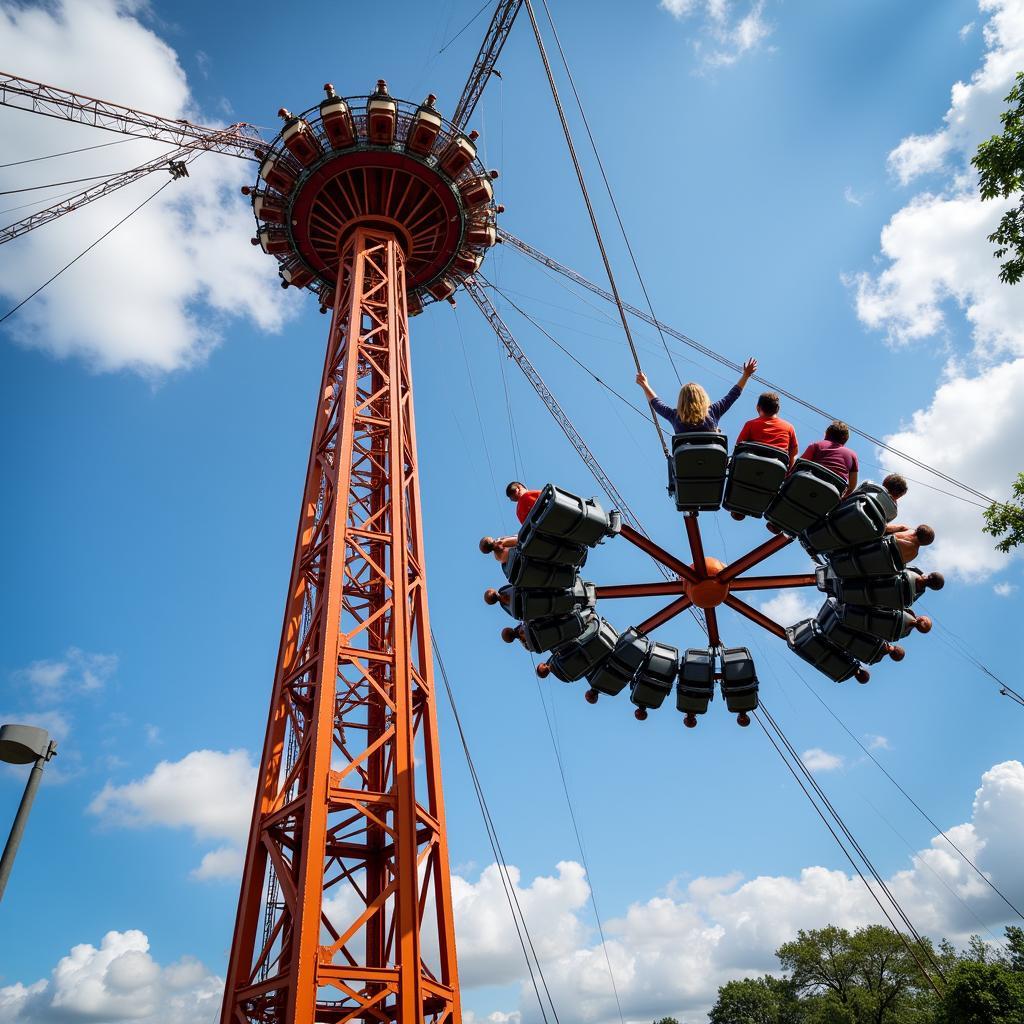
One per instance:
(693,405)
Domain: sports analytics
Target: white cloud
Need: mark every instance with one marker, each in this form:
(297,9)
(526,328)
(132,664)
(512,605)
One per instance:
(937,262)
(851,197)
(224,862)
(119,980)
(77,672)
(113,309)
(818,760)
(671,952)
(208,791)
(489,952)
(974,109)
(990,402)
(878,742)
(939,256)
(728,36)
(966,30)
(1005,589)
(790,606)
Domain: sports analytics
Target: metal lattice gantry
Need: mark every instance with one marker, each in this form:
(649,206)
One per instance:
(377,206)
(346,887)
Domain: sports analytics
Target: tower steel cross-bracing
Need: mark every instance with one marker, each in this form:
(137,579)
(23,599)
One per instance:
(345,912)
(353,832)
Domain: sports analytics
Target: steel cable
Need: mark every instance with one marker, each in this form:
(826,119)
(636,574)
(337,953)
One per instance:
(608,186)
(837,817)
(590,209)
(492,836)
(67,266)
(846,852)
(924,814)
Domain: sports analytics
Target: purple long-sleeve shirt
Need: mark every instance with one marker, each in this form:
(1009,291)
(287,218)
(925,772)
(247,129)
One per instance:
(709,423)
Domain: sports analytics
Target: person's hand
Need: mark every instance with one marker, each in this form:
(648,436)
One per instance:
(750,367)
(641,379)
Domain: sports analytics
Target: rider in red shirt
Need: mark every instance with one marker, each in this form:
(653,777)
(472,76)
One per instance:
(769,429)
(525,500)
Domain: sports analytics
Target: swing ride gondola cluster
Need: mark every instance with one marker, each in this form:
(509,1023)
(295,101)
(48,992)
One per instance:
(380,206)
(859,567)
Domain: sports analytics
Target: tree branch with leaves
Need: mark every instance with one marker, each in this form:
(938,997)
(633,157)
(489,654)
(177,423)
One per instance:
(1000,165)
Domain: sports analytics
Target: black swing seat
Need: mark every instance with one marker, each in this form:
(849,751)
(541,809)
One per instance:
(696,686)
(879,558)
(583,655)
(532,574)
(897,590)
(808,494)
(696,470)
(885,623)
(526,604)
(865,648)
(544,548)
(656,677)
(555,632)
(807,641)
(568,517)
(619,669)
(756,472)
(858,519)
(739,680)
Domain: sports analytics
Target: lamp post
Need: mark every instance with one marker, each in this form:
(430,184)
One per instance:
(22,744)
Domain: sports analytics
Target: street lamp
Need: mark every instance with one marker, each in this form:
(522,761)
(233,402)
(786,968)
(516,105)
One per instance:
(22,744)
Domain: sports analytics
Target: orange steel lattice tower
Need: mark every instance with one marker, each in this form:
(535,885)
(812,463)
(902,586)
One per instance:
(345,910)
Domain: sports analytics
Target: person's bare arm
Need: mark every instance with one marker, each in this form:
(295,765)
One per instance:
(852,484)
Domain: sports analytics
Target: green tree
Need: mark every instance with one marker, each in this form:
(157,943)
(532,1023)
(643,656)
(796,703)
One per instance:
(983,993)
(764,1000)
(1007,517)
(1000,164)
(666,1020)
(1015,948)
(867,977)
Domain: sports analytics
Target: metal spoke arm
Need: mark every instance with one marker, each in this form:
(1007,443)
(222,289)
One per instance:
(613,591)
(696,544)
(755,616)
(166,162)
(659,554)
(752,558)
(666,614)
(772,582)
(490,50)
(240,140)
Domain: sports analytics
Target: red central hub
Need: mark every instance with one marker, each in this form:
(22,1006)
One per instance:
(708,592)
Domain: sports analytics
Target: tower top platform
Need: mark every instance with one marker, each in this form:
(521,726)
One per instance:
(381,162)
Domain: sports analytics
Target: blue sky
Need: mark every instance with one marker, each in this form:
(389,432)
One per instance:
(155,411)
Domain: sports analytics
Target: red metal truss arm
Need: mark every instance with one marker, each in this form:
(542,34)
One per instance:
(666,614)
(755,616)
(497,32)
(711,618)
(752,558)
(659,554)
(24,94)
(696,544)
(772,582)
(615,590)
(98,191)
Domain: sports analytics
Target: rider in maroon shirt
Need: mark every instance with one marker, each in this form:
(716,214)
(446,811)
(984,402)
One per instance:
(833,454)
